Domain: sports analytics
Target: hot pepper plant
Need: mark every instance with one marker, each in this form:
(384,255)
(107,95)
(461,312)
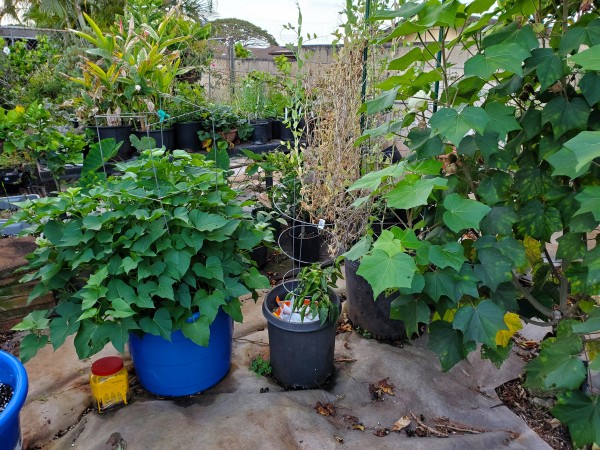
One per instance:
(311,295)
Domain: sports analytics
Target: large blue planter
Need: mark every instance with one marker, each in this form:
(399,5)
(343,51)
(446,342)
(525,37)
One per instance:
(12,373)
(181,367)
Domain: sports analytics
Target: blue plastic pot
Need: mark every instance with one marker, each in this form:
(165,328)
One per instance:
(181,367)
(12,373)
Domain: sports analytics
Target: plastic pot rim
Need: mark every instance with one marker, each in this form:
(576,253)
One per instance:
(17,401)
(299,327)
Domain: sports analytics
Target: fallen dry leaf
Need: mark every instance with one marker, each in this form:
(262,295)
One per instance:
(554,423)
(401,423)
(381,432)
(354,423)
(345,328)
(381,387)
(386,386)
(421,432)
(326,409)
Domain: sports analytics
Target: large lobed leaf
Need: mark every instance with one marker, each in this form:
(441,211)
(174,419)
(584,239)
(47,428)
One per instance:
(383,271)
(581,413)
(463,213)
(480,323)
(454,124)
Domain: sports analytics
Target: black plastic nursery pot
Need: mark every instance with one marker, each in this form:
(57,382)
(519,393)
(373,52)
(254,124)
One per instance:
(10,176)
(10,181)
(275,128)
(366,313)
(285,133)
(164,137)
(392,153)
(261,132)
(119,134)
(186,136)
(302,354)
(398,220)
(306,243)
(260,256)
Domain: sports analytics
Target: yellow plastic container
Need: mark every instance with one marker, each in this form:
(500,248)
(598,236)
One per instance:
(109,382)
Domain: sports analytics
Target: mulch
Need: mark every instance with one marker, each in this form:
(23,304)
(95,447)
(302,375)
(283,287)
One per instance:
(10,341)
(538,417)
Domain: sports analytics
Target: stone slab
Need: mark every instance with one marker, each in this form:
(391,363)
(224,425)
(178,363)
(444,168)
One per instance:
(13,252)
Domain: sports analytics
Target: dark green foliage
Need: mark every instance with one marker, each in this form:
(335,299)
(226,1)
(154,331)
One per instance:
(523,122)
(141,251)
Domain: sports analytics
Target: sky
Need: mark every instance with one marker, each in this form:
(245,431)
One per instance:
(318,16)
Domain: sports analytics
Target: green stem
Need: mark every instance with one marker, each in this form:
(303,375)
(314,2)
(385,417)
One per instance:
(531,299)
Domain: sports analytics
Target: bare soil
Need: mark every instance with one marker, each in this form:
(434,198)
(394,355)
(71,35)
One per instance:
(6,393)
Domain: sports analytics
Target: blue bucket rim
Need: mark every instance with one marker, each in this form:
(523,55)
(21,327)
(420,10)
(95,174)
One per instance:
(19,390)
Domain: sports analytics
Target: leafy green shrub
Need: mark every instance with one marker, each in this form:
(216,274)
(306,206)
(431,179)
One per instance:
(522,122)
(140,252)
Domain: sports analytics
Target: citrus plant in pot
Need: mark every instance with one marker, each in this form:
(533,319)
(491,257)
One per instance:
(515,231)
(157,256)
(301,316)
(48,144)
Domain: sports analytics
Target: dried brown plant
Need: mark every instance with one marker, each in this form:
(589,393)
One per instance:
(331,161)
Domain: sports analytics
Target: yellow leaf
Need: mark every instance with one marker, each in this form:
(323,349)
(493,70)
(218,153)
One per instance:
(513,322)
(593,349)
(448,315)
(586,306)
(19,109)
(533,250)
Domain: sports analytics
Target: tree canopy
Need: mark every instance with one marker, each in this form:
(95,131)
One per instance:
(242,31)
(62,14)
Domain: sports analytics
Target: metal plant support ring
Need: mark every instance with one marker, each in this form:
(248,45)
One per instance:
(329,247)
